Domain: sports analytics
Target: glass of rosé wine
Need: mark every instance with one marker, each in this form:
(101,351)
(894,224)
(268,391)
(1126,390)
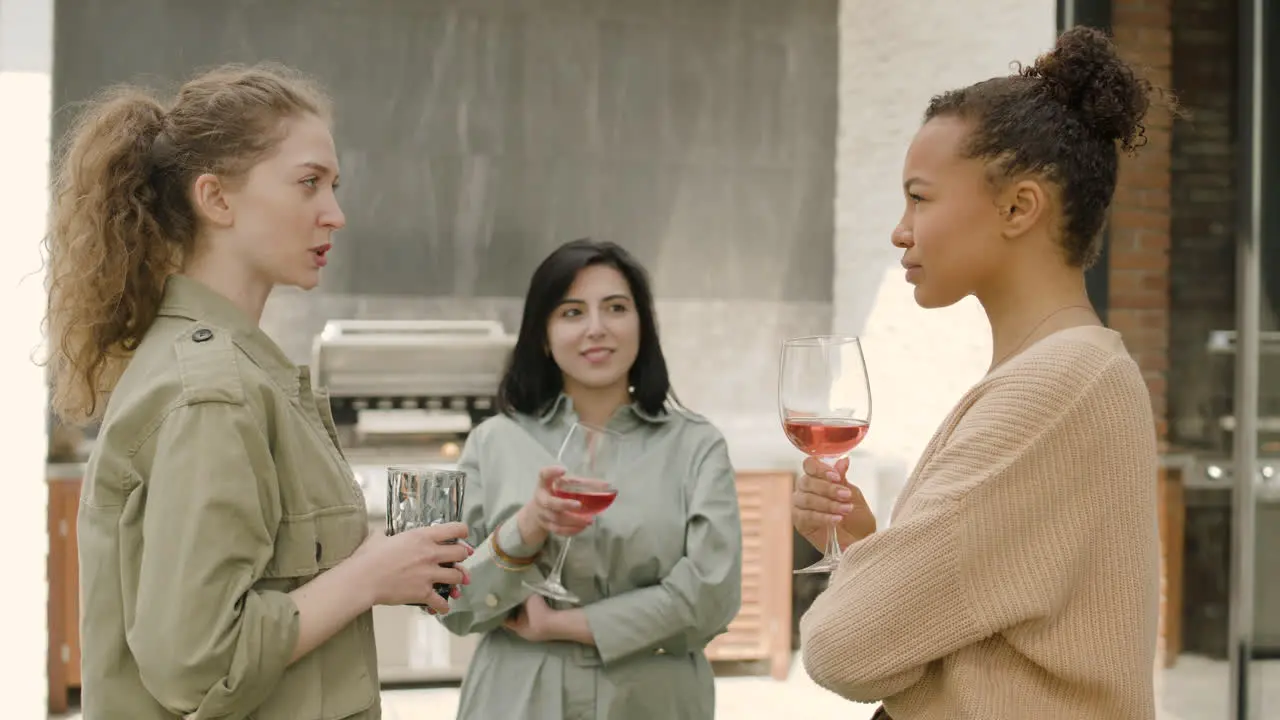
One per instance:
(824,397)
(589,455)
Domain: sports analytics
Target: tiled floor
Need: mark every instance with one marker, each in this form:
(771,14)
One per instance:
(737,697)
(1196,689)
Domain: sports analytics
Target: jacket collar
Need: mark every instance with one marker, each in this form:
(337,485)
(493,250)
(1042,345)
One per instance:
(192,300)
(625,418)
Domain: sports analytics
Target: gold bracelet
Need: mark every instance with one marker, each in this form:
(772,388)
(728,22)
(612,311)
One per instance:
(505,559)
(510,568)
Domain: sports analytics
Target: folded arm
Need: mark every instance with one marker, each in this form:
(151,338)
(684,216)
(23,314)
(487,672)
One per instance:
(703,591)
(991,538)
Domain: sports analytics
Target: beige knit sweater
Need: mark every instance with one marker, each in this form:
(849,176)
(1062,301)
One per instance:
(1019,578)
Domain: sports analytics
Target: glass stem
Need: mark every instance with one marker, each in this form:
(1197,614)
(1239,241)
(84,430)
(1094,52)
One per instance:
(833,536)
(833,544)
(554,579)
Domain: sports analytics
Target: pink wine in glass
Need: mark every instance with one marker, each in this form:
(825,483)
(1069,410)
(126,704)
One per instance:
(824,403)
(825,437)
(593,499)
(589,456)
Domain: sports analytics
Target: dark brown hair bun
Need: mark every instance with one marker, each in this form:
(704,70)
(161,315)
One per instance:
(1086,73)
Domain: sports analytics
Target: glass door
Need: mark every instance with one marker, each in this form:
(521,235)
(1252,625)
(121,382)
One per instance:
(1254,641)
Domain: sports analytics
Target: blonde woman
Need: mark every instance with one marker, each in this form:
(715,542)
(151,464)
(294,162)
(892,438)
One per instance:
(224,564)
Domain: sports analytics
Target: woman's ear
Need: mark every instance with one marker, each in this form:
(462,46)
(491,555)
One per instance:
(1022,205)
(211,202)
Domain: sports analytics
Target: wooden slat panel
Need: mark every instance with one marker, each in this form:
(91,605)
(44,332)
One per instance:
(762,629)
(733,653)
(731,639)
(58,630)
(71,508)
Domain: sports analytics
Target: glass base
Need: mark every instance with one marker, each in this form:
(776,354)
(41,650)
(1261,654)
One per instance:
(825,565)
(554,591)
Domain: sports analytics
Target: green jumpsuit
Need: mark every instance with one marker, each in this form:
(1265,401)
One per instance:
(659,573)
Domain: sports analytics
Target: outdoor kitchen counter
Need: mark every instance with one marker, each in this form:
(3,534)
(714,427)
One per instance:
(63,479)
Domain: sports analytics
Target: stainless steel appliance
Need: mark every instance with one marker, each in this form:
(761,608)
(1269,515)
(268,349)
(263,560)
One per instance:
(408,393)
(1213,486)
(1209,487)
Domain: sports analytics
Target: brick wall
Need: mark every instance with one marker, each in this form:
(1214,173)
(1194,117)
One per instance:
(1140,220)
(1138,303)
(1172,267)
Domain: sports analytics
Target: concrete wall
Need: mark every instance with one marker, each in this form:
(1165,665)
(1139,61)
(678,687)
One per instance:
(893,58)
(699,135)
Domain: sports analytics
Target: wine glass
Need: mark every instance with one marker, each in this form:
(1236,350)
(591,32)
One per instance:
(824,397)
(589,455)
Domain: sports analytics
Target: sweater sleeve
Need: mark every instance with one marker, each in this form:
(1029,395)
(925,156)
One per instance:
(992,536)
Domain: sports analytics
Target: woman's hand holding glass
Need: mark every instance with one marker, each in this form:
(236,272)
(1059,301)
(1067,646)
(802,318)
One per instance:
(822,497)
(545,514)
(589,454)
(403,569)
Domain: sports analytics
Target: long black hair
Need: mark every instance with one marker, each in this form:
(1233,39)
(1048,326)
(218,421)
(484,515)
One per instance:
(533,380)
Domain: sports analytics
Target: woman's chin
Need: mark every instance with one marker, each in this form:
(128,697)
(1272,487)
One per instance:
(932,301)
(304,280)
(598,378)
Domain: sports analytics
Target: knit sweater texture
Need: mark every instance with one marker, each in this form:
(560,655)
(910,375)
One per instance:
(1019,577)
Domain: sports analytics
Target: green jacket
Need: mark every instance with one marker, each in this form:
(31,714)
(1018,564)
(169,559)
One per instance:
(216,487)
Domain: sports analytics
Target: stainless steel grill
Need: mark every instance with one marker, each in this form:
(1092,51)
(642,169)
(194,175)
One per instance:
(416,365)
(408,392)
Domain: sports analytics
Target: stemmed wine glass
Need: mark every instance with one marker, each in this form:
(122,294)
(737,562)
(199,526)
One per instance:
(824,398)
(589,455)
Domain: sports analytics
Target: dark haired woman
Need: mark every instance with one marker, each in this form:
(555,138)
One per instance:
(659,573)
(1020,576)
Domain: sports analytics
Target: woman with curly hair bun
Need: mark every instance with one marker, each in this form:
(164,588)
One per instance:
(1020,576)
